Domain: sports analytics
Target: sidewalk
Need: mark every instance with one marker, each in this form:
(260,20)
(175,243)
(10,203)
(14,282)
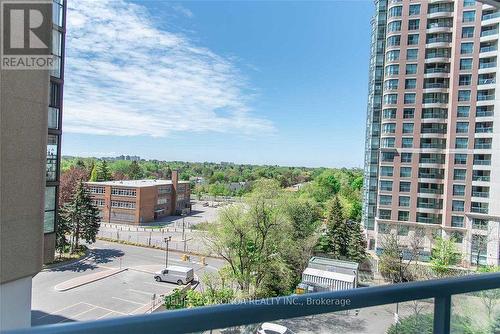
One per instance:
(86,279)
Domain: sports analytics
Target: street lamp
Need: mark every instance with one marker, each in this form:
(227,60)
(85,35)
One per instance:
(396,316)
(167,240)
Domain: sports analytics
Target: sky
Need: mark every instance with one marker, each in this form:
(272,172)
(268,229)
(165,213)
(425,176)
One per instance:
(260,82)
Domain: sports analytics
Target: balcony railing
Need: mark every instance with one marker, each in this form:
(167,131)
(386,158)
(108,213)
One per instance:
(481,178)
(487,65)
(482,162)
(223,316)
(489,32)
(484,130)
(490,16)
(488,81)
(483,194)
(488,48)
(486,97)
(485,146)
(484,113)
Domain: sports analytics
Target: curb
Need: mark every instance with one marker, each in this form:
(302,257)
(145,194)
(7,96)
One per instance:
(107,273)
(123,242)
(65,263)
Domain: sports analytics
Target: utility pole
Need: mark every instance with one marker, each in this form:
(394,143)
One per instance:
(396,316)
(167,240)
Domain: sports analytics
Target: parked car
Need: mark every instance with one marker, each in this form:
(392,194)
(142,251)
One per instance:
(270,328)
(175,274)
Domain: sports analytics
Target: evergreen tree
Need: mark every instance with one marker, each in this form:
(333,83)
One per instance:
(356,250)
(80,218)
(134,171)
(103,173)
(337,232)
(93,174)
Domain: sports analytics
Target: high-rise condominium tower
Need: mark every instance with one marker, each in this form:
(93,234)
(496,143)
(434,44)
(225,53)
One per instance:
(432,158)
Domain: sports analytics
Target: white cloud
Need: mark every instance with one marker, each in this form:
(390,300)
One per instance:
(126,77)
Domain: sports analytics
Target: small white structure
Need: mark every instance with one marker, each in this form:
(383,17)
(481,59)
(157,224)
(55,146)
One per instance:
(328,280)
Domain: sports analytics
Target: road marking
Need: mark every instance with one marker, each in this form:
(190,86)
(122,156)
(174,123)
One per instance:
(76,315)
(104,308)
(129,301)
(55,312)
(159,284)
(143,292)
(105,315)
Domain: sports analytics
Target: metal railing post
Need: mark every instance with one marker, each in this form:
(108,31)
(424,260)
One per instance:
(442,315)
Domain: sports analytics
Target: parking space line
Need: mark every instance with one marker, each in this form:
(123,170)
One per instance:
(55,312)
(76,315)
(129,301)
(143,292)
(104,308)
(157,284)
(102,316)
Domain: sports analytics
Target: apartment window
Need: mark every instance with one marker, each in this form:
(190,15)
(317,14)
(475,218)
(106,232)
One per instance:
(459,174)
(164,190)
(411,54)
(386,185)
(385,200)
(391,99)
(388,156)
(388,142)
(464,79)
(457,221)
(466,48)
(411,68)
(408,127)
(404,201)
(463,111)
(394,40)
(460,159)
(462,127)
(403,216)
(383,228)
(406,157)
(464,95)
(389,128)
(479,207)
(466,64)
(54,95)
(392,55)
(53,119)
(414,9)
(404,186)
(392,70)
(469,16)
(461,143)
(405,171)
(409,112)
(52,149)
(50,207)
(389,113)
(98,202)
(458,190)
(457,236)
(410,83)
(457,206)
(414,25)
(162,200)
(407,142)
(395,11)
(467,32)
(384,214)
(386,171)
(479,224)
(413,39)
(394,26)
(409,98)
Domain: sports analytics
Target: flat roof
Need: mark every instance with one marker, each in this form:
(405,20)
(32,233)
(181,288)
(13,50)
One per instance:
(329,275)
(326,263)
(134,183)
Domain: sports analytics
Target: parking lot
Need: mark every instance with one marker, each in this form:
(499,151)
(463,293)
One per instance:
(125,293)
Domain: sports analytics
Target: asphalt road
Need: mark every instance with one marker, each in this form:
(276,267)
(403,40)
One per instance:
(128,292)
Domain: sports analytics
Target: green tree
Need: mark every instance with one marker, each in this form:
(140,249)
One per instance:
(101,173)
(444,256)
(93,174)
(391,265)
(423,324)
(356,246)
(134,171)
(253,239)
(337,233)
(80,217)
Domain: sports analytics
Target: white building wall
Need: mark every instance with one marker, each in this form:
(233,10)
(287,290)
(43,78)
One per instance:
(15,304)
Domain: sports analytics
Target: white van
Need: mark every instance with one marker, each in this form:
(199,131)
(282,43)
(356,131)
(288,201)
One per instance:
(175,274)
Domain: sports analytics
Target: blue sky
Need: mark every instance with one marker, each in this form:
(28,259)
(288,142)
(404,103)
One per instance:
(250,82)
